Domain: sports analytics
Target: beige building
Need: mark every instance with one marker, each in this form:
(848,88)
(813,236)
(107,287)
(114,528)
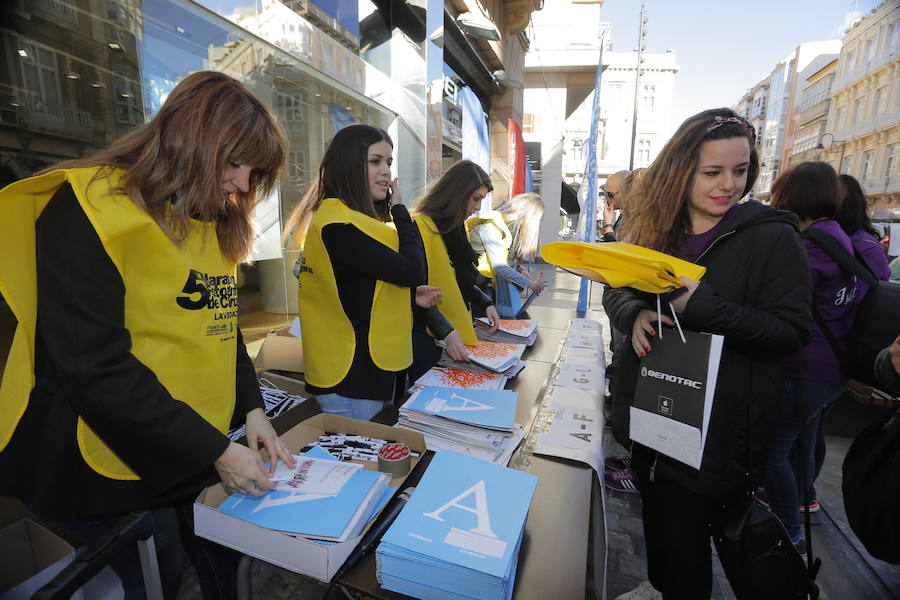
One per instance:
(863,132)
(811,113)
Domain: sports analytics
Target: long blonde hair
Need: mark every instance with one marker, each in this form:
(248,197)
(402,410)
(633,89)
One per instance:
(522,214)
(655,204)
(174,164)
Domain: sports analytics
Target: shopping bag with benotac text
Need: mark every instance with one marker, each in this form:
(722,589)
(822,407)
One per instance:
(674,394)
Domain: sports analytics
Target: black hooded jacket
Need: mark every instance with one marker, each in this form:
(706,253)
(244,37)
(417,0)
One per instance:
(756,293)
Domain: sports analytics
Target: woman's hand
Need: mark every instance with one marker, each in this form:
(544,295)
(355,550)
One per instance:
(681,301)
(493,316)
(643,325)
(260,431)
(455,347)
(609,213)
(427,295)
(396,198)
(242,471)
(537,285)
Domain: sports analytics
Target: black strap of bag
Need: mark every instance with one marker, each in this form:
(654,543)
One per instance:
(853,263)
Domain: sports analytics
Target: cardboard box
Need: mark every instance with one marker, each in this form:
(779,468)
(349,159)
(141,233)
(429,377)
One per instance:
(280,351)
(32,556)
(318,560)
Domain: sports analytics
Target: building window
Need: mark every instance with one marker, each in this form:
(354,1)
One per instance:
(889,161)
(871,44)
(878,101)
(859,110)
(867,165)
(527,123)
(643,151)
(851,60)
(296,165)
(845,167)
(41,77)
(895,34)
(291,107)
(648,97)
(615,91)
(839,117)
(127,94)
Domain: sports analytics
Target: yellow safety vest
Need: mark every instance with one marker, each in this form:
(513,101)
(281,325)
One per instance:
(180,302)
(495,219)
(329,342)
(442,275)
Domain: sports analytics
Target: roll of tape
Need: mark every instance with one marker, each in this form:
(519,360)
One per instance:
(394,459)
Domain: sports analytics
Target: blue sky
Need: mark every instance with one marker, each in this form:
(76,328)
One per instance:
(725,47)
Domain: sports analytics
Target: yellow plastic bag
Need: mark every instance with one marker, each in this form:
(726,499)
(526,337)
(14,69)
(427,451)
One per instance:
(623,265)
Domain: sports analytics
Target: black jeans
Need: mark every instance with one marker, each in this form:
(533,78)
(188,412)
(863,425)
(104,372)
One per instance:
(174,537)
(677,534)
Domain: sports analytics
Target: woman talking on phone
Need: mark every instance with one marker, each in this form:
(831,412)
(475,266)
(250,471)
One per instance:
(357,275)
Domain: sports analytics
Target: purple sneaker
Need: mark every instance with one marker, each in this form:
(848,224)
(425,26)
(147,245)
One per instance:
(621,462)
(622,481)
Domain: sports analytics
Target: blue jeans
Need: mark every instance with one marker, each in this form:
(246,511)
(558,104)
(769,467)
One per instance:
(353,408)
(173,537)
(786,479)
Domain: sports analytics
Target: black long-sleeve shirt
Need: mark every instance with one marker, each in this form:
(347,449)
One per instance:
(84,367)
(358,262)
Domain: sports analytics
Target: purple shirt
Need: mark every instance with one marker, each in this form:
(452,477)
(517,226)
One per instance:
(836,294)
(872,252)
(695,244)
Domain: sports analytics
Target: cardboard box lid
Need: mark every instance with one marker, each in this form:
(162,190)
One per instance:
(27,549)
(280,352)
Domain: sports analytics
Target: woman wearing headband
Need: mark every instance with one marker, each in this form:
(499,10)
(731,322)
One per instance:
(755,293)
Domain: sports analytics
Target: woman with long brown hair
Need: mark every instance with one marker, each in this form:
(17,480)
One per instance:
(357,273)
(451,262)
(754,293)
(128,368)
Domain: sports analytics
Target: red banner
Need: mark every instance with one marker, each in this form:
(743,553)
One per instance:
(517,163)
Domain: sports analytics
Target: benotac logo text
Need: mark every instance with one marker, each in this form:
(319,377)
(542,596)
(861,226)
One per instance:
(645,372)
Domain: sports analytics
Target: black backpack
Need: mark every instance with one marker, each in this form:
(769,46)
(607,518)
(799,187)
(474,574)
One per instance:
(871,487)
(877,320)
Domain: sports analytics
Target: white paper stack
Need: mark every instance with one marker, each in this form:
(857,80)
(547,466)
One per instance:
(460,533)
(511,331)
(457,378)
(480,423)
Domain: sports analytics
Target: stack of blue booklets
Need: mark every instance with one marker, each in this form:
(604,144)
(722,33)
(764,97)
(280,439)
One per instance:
(460,533)
(334,518)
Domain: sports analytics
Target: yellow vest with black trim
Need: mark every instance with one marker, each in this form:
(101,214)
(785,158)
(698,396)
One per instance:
(493,219)
(180,302)
(442,275)
(329,340)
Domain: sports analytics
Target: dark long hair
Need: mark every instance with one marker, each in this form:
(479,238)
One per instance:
(447,199)
(810,190)
(342,174)
(657,200)
(174,163)
(853,214)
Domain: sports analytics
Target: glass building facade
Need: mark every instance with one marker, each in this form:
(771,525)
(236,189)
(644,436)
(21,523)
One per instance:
(77,74)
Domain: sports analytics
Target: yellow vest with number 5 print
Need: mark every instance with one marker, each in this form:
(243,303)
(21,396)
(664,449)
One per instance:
(180,302)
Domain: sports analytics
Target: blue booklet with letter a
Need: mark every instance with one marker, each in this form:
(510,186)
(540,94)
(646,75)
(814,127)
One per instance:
(460,533)
(494,409)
